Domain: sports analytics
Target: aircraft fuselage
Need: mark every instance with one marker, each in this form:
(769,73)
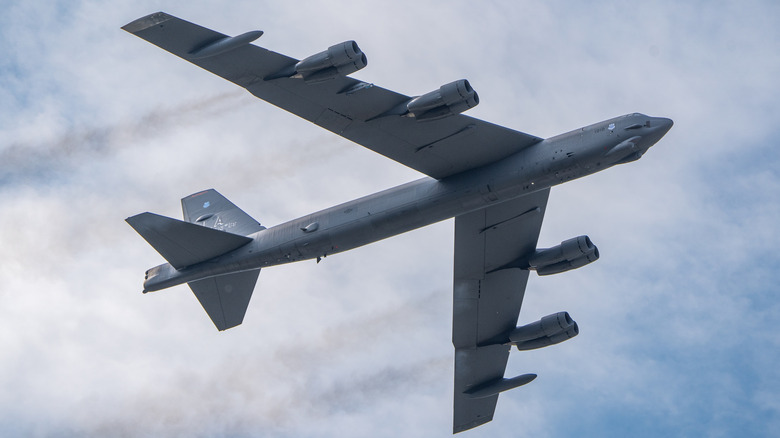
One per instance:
(426,201)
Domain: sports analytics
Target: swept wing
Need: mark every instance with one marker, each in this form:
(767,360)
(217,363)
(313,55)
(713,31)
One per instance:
(487,300)
(364,113)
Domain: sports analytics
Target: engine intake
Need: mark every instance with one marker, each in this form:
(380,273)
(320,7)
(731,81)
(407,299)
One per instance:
(448,100)
(550,330)
(339,60)
(570,254)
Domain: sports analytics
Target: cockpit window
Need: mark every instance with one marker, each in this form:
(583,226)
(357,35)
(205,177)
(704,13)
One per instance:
(634,126)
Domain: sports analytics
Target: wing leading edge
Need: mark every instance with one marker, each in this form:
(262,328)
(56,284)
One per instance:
(487,301)
(359,111)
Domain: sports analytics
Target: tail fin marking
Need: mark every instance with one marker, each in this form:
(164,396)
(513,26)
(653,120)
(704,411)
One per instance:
(210,209)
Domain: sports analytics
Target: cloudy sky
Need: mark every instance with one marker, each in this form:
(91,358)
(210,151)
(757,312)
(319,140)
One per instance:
(678,318)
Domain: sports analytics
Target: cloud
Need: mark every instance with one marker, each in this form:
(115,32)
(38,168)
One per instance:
(43,161)
(97,125)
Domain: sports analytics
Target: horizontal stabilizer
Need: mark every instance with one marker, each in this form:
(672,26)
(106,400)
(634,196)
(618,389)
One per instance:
(182,243)
(226,297)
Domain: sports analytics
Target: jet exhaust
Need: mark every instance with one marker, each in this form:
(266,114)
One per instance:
(570,254)
(448,100)
(550,330)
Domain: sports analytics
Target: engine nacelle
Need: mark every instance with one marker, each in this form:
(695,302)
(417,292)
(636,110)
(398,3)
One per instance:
(550,330)
(570,254)
(339,60)
(448,100)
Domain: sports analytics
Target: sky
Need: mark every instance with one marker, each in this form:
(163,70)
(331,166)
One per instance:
(678,317)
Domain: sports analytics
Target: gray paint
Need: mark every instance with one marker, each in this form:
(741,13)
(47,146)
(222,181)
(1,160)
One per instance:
(426,201)
(493,180)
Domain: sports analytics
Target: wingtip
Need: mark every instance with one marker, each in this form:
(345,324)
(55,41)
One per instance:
(132,218)
(146,22)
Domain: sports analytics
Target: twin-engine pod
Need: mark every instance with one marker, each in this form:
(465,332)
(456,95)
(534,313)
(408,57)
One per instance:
(339,60)
(570,254)
(448,100)
(550,330)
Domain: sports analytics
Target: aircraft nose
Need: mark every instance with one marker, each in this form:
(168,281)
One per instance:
(663,124)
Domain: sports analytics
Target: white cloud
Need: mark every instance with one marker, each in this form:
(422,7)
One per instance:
(676,317)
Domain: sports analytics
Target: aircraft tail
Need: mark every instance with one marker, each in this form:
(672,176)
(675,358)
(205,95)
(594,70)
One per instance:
(202,236)
(212,226)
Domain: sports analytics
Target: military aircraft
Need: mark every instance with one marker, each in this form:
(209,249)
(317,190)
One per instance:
(493,180)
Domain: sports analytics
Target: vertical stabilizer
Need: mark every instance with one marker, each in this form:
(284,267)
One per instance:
(210,209)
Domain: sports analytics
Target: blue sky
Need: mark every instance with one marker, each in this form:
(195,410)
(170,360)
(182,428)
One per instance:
(678,318)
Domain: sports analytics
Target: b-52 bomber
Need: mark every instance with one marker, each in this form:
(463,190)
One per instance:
(493,180)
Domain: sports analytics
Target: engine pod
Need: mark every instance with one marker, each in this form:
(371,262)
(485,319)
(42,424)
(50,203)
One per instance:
(570,254)
(550,330)
(339,60)
(448,100)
